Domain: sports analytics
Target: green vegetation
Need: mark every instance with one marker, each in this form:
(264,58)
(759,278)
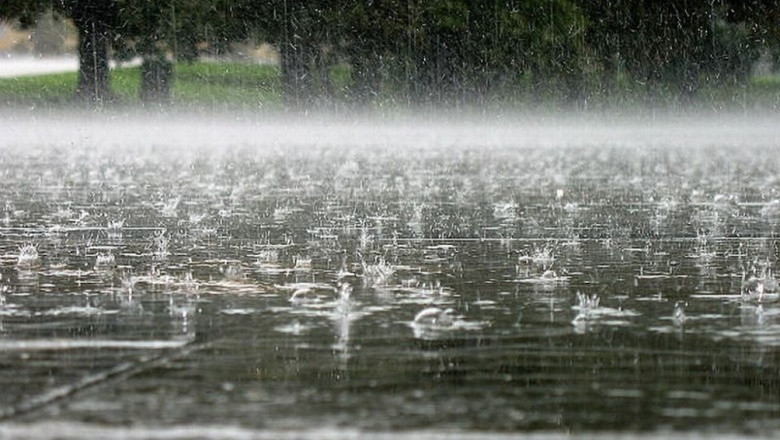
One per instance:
(197,84)
(38,90)
(229,85)
(446,53)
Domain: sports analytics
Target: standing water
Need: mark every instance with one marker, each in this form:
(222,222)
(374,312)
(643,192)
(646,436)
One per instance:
(223,279)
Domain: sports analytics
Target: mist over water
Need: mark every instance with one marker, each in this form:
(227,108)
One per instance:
(329,276)
(179,130)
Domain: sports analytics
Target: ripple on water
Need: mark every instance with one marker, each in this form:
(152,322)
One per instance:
(504,251)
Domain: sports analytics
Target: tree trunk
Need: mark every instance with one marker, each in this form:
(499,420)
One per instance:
(425,87)
(94,20)
(296,75)
(156,79)
(366,76)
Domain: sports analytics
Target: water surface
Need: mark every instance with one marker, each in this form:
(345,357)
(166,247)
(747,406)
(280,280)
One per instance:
(266,276)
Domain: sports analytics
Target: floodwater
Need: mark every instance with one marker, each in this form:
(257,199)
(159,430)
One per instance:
(276,279)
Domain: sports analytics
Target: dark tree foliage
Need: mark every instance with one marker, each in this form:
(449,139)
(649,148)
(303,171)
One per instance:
(459,51)
(434,51)
(676,46)
(25,11)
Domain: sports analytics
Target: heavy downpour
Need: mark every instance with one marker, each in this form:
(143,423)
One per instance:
(407,219)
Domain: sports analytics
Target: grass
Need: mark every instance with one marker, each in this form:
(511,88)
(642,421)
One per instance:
(199,84)
(43,89)
(226,85)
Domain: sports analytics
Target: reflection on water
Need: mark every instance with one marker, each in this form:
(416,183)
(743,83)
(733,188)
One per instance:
(498,287)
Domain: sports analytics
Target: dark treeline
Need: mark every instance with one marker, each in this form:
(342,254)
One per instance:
(448,52)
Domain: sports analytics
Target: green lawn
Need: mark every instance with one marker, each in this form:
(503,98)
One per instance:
(42,89)
(199,84)
(225,85)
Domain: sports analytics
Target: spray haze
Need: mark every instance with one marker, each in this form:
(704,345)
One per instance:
(181,132)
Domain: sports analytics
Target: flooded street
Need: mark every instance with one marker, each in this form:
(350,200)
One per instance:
(250,278)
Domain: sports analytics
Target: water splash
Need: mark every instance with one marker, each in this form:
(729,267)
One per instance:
(169,209)
(105,261)
(160,244)
(378,273)
(679,316)
(761,287)
(28,256)
(302,263)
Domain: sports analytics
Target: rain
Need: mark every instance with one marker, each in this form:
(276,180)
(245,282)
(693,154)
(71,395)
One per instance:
(389,219)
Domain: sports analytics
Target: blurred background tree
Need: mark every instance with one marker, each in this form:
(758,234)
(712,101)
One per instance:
(432,52)
(94,20)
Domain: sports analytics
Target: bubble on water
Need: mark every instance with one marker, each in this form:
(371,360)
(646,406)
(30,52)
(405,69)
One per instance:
(434,317)
(309,293)
(437,322)
(305,295)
